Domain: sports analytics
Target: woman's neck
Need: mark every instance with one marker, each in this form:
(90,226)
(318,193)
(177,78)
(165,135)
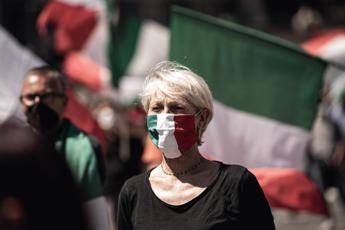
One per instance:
(188,163)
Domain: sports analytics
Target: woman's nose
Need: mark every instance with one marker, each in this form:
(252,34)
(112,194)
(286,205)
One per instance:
(166,110)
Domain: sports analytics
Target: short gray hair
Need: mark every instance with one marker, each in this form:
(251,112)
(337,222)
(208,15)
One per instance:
(178,82)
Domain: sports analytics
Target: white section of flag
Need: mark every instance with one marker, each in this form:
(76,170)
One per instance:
(15,62)
(88,3)
(237,137)
(152,47)
(334,50)
(97,44)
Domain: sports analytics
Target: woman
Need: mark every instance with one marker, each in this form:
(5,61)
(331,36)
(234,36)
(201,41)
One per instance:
(187,191)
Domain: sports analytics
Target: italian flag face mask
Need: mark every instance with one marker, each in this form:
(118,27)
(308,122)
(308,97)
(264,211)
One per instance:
(173,134)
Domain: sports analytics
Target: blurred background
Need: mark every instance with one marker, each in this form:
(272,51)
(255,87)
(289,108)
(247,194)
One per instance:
(105,47)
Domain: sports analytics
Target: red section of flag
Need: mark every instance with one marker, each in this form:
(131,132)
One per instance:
(315,44)
(81,117)
(290,189)
(71,24)
(83,70)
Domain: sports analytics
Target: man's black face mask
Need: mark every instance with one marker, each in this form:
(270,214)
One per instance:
(42,118)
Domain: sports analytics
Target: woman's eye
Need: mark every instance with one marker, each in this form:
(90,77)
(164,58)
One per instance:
(155,109)
(178,108)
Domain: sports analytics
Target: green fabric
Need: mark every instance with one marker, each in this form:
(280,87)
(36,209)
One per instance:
(81,159)
(151,127)
(122,46)
(247,69)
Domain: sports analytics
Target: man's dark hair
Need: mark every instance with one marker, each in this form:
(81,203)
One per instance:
(49,72)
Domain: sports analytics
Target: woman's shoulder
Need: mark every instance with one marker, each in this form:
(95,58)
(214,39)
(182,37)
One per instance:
(136,182)
(232,168)
(233,172)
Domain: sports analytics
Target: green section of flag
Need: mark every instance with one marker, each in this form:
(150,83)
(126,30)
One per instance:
(247,69)
(122,45)
(151,127)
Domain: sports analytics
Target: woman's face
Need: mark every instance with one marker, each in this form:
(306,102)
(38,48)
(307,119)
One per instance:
(162,104)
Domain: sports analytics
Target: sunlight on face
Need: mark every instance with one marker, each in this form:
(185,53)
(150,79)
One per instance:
(33,79)
(164,104)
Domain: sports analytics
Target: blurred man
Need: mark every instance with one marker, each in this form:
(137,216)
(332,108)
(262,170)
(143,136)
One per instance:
(44,100)
(37,188)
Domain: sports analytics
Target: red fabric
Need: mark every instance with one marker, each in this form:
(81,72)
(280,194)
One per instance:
(83,70)
(290,189)
(185,131)
(315,44)
(81,117)
(72,25)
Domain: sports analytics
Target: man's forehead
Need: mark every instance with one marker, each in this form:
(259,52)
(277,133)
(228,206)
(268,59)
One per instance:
(42,82)
(32,79)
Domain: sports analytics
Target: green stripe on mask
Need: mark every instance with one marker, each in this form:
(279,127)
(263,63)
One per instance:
(151,128)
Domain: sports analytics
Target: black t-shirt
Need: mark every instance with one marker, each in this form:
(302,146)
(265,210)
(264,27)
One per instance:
(234,200)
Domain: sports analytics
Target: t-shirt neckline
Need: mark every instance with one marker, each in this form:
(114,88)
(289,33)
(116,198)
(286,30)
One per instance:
(188,203)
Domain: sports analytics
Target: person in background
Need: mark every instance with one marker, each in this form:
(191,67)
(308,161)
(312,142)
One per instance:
(187,191)
(37,188)
(334,165)
(124,142)
(44,100)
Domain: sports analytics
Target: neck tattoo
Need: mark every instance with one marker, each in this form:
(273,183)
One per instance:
(185,172)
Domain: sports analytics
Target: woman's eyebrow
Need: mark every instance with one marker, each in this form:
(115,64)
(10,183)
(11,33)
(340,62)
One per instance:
(155,103)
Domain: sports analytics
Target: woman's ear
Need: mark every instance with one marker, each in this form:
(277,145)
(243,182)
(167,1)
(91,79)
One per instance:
(204,115)
(202,123)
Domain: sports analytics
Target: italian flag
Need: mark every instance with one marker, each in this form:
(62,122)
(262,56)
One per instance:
(135,46)
(266,90)
(102,45)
